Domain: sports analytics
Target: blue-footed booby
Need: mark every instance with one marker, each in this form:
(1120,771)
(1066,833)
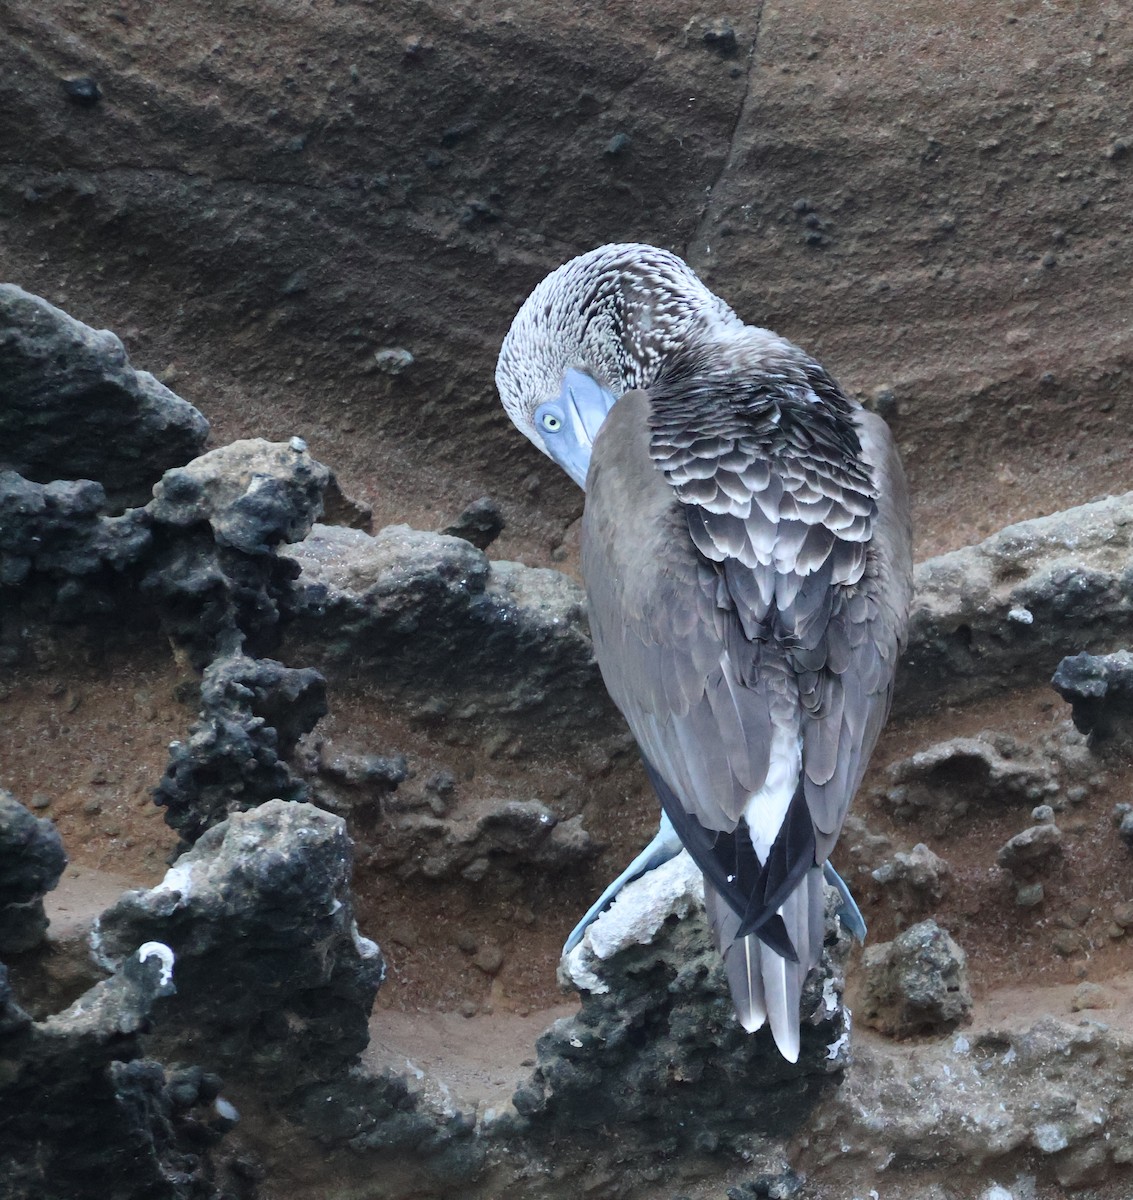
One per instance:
(746,552)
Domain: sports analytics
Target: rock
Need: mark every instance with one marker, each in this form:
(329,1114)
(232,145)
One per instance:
(1123,914)
(74,409)
(274,982)
(357,786)
(914,882)
(393,360)
(1044,1087)
(489,958)
(721,37)
(31,862)
(656,1045)
(1066,943)
(253,712)
(1029,852)
(514,835)
(1123,819)
(480,523)
(380,1115)
(1099,689)
(405,606)
(936,787)
(81,90)
(200,558)
(1067,572)
(1029,895)
(130,1134)
(916,984)
(58,546)
(1089,995)
(254,494)
(341,509)
(215,579)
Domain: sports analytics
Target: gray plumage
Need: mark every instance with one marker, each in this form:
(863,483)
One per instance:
(747,558)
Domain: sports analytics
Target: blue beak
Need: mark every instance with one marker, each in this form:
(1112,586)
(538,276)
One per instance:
(569,424)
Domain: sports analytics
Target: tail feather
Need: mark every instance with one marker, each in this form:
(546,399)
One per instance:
(766,988)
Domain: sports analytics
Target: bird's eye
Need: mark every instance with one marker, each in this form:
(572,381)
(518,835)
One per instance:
(551,423)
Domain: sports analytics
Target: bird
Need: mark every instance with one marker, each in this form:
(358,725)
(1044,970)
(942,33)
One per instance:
(746,551)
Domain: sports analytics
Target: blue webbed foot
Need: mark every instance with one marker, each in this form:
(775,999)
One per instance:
(664,846)
(848,912)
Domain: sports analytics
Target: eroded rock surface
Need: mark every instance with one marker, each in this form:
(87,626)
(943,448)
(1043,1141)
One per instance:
(656,1048)
(972,1103)
(273,979)
(1099,689)
(1005,611)
(914,882)
(31,861)
(916,984)
(72,407)
(86,1114)
(449,634)
(253,712)
(938,786)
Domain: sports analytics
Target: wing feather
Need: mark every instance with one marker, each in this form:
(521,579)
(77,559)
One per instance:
(746,557)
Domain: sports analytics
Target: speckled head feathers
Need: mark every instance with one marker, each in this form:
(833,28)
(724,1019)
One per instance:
(617,312)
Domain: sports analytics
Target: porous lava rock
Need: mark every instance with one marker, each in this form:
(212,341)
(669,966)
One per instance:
(510,835)
(913,881)
(274,982)
(31,861)
(61,555)
(1029,852)
(972,1103)
(72,407)
(214,576)
(916,984)
(85,1114)
(656,1050)
(1003,612)
(1099,689)
(448,634)
(252,714)
(938,786)
(480,523)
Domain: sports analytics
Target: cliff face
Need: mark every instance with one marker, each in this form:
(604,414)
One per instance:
(268,197)
(314,223)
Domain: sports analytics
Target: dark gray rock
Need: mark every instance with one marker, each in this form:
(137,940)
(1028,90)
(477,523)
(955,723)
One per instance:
(1002,613)
(913,882)
(916,984)
(253,712)
(380,1114)
(1123,819)
(480,523)
(656,1051)
(72,407)
(274,982)
(1099,689)
(199,561)
(1029,852)
(448,635)
(84,1114)
(937,787)
(214,577)
(58,549)
(31,861)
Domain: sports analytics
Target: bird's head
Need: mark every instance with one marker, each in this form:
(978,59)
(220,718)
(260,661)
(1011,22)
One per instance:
(602,324)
